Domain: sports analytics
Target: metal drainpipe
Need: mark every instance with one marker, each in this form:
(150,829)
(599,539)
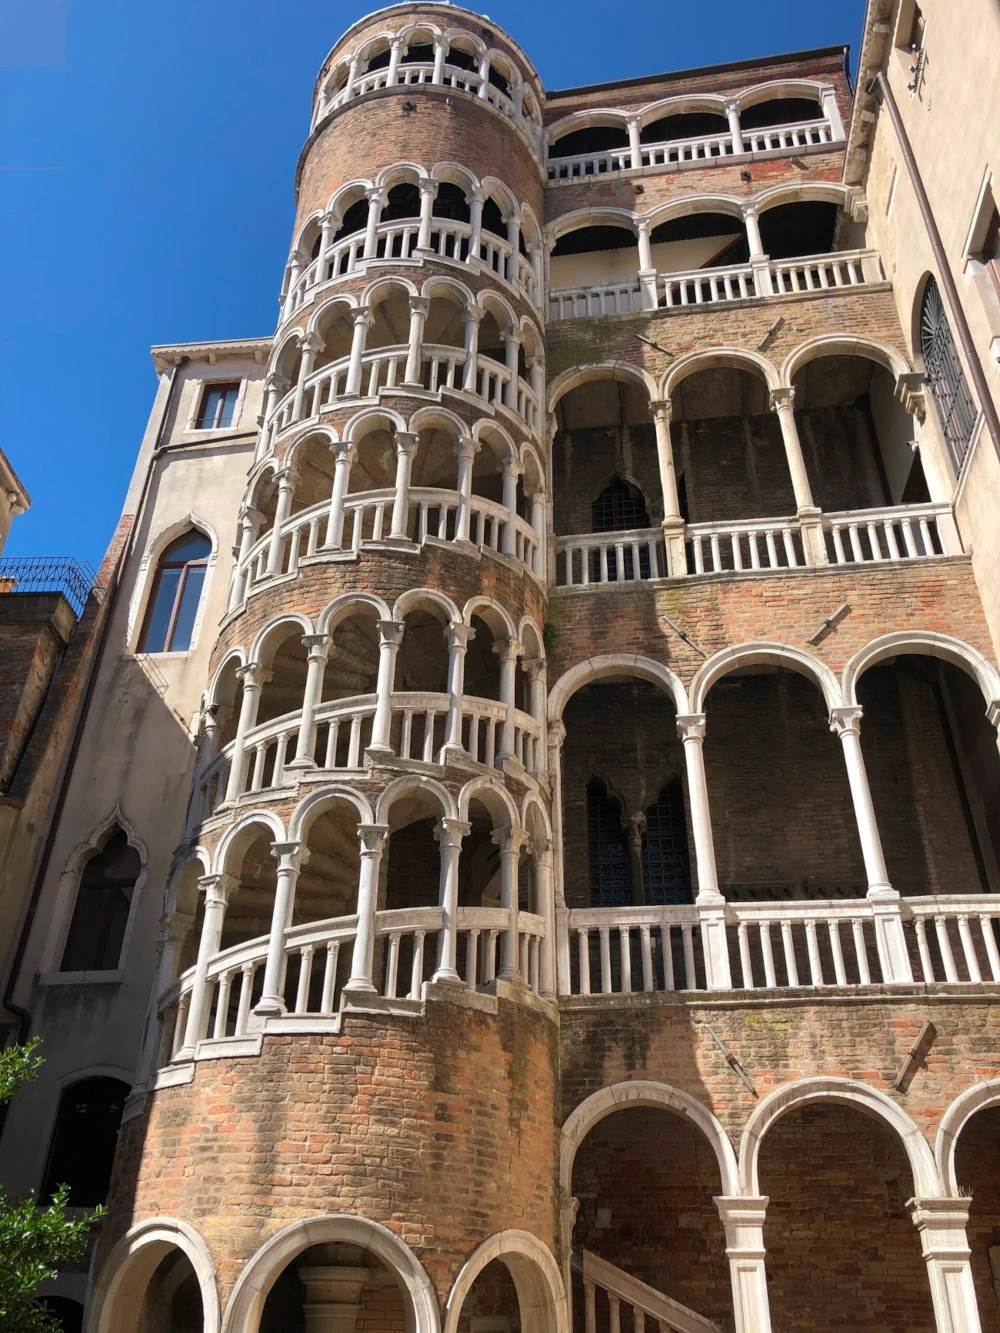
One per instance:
(24,1015)
(986,403)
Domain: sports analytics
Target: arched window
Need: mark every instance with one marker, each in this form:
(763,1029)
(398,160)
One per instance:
(83,1143)
(607,848)
(945,376)
(173,607)
(102,907)
(666,869)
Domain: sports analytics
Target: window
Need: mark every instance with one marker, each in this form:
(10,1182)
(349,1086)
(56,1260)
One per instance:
(83,1144)
(610,880)
(989,255)
(103,901)
(945,376)
(620,507)
(218,406)
(173,606)
(666,870)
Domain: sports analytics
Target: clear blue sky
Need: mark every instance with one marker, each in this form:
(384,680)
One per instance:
(147,153)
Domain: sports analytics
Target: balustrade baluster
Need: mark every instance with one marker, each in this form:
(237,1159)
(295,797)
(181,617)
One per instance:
(329,977)
(180,1024)
(522,956)
(861,952)
(305,978)
(222,1004)
(944,944)
(852,529)
(249,971)
(812,946)
(754,550)
(491,741)
(625,948)
(279,759)
(378,522)
(926,966)
(788,948)
(589,1307)
(690,975)
(583,954)
(330,758)
(614,1322)
(354,745)
(604,933)
(429,717)
(969,949)
(260,753)
(746,965)
(471,958)
(990,943)
(392,966)
(417,965)
(767,953)
(404,736)
(647,958)
(874,541)
(888,527)
(836,949)
(668,958)
(925,534)
(911,545)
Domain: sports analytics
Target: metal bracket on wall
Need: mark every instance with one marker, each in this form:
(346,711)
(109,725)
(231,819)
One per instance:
(915,1057)
(831,622)
(683,636)
(731,1060)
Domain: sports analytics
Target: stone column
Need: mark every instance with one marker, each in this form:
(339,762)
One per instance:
(465,451)
(512,469)
(509,840)
(538,528)
(352,74)
(376,202)
(733,116)
(449,834)
(512,345)
(275,386)
(345,456)
(476,200)
(311,344)
(709,900)
(290,857)
(759,262)
(743,1219)
(253,677)
(484,77)
(217,889)
(457,637)
(673,523)
(508,651)
(534,668)
(318,647)
(327,226)
(474,315)
(538,268)
(372,838)
(636,833)
(286,480)
(513,240)
(419,306)
(395,51)
(635,142)
(333,1296)
(440,56)
(296,264)
(647,270)
(556,734)
(406,447)
(942,1225)
(893,953)
(390,635)
(810,518)
(428,193)
(363,320)
(546,907)
(536,370)
(251,521)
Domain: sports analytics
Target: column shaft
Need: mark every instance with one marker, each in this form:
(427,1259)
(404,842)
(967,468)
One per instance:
(390,636)
(372,838)
(449,834)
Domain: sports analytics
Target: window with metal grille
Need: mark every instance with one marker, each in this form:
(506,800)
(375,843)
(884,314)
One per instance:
(666,868)
(945,376)
(96,934)
(218,406)
(620,507)
(610,881)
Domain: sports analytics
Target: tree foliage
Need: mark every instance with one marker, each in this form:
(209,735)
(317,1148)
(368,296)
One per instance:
(33,1239)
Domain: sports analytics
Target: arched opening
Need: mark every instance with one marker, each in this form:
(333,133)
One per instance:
(263,498)
(646,1179)
(419,48)
(248,914)
(314,467)
(172,1300)
(595,256)
(336,328)
(285,660)
(684,125)
(977,1170)
(953,402)
(601,142)
(155,1285)
(82,1150)
(445,326)
(419,724)
(462,54)
(390,310)
(353,219)
(374,466)
(857,440)
(779,111)
(837,1182)
(696,241)
(340,1284)
(378,57)
(103,903)
(808,227)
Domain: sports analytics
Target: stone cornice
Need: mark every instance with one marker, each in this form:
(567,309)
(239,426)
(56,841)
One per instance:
(876,42)
(166,355)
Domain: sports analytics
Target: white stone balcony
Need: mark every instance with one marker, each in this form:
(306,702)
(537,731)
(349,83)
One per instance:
(841,271)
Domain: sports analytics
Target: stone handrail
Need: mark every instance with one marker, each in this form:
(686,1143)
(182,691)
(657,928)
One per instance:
(610,557)
(646,1302)
(767,543)
(902,532)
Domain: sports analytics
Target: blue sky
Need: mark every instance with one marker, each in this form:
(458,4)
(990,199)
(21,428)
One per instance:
(147,152)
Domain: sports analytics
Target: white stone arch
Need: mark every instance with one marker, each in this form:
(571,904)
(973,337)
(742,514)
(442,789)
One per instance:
(684,207)
(69,888)
(456,174)
(370,419)
(335,207)
(714,358)
(528,627)
(616,370)
(204,859)
(847,1092)
(240,835)
(604,665)
(778,88)
(398,173)
(930,644)
(534,467)
(145,578)
(541,1296)
(117,1294)
(464,35)
(319,799)
(422,25)
(327,433)
(679,106)
(530,224)
(289,342)
(979,1098)
(383,286)
(834,344)
(794,192)
(317,316)
(643,1092)
(313,220)
(412,784)
(484,427)
(237,655)
(438,416)
(491,793)
(269,635)
(415,599)
(592,217)
(476,605)
(769,654)
(501,194)
(440,283)
(344,606)
(362,53)
(487,297)
(607,116)
(252,1286)
(532,806)
(512,74)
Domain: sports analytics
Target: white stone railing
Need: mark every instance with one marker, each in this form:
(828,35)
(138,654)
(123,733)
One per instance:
(767,543)
(701,148)
(318,956)
(709,286)
(782,945)
(610,557)
(620,1289)
(906,532)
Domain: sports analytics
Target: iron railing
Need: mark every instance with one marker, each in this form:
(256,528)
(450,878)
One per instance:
(43,573)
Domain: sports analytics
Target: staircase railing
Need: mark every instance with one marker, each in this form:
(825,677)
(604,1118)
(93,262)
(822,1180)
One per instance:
(618,1288)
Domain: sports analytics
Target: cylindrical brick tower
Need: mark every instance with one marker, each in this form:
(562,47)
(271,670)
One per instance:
(351,1070)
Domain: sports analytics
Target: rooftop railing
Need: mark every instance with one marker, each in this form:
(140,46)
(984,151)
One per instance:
(45,573)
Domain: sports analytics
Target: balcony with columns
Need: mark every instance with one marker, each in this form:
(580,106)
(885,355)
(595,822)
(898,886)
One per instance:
(406,218)
(738,475)
(790,242)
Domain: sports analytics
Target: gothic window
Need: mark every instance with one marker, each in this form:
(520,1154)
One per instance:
(103,901)
(945,376)
(83,1143)
(180,577)
(610,881)
(620,507)
(666,869)
(218,406)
